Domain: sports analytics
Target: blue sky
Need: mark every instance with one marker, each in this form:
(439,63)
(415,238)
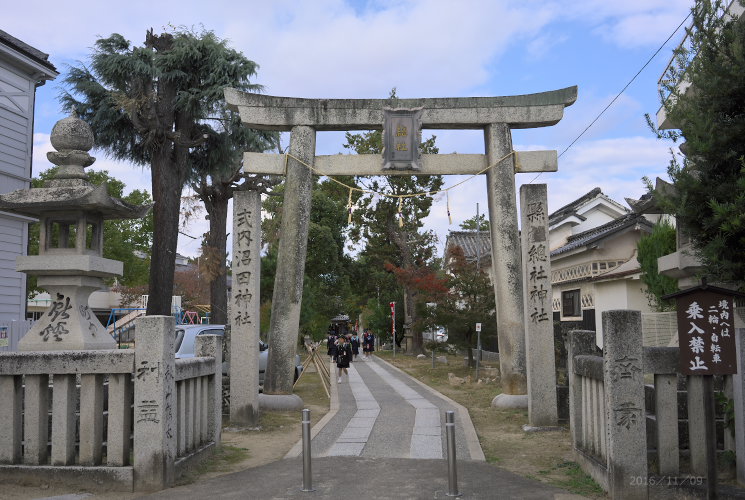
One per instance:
(424,48)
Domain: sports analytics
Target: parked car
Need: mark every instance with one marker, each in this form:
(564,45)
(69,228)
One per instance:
(186,336)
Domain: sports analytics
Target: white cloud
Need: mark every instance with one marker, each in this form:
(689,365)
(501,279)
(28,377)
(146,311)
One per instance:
(633,23)
(423,48)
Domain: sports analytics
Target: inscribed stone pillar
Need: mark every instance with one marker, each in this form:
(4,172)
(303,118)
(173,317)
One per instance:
(244,329)
(539,331)
(288,281)
(624,404)
(507,269)
(154,404)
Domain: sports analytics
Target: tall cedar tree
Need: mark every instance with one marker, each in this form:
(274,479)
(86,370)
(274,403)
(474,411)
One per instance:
(146,105)
(708,198)
(215,177)
(404,245)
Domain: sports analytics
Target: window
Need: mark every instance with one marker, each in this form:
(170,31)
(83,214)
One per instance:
(570,304)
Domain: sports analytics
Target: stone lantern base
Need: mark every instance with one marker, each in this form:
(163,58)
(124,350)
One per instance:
(69,323)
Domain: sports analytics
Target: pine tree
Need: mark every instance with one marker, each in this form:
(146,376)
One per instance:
(706,87)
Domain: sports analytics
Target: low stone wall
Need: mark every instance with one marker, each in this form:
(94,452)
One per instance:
(171,409)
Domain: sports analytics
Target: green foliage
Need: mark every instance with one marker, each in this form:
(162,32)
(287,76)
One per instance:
(470,300)
(650,247)
(727,409)
(126,240)
(118,93)
(709,184)
(326,285)
(481,223)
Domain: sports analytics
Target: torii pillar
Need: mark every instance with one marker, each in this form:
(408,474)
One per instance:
(496,116)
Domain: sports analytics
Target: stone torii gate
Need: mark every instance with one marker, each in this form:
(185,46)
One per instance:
(495,115)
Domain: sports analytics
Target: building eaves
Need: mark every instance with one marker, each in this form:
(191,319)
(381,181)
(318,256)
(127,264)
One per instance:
(571,208)
(475,245)
(628,268)
(27,50)
(598,233)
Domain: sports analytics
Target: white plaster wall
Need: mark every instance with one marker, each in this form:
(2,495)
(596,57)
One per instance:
(618,294)
(595,218)
(558,237)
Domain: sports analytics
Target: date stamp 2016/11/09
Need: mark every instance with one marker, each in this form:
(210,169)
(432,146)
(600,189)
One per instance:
(666,480)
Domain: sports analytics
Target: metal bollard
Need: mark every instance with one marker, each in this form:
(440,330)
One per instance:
(452,471)
(307,474)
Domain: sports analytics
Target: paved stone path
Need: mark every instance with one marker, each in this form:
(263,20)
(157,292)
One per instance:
(380,419)
(381,412)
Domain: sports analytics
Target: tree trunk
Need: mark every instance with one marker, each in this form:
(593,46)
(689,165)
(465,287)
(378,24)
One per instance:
(471,360)
(417,342)
(217,242)
(167,196)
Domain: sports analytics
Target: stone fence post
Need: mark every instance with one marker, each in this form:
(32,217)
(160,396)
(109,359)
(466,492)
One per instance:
(211,346)
(579,342)
(738,383)
(624,402)
(155,403)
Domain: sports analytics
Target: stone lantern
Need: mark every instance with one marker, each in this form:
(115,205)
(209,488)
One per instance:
(70,264)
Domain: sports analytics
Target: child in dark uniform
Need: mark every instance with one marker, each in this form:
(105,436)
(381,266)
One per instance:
(343,356)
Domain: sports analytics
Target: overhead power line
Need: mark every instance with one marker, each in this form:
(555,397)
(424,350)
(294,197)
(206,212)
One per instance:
(621,92)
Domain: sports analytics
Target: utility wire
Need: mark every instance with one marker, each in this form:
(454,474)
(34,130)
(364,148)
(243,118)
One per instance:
(621,92)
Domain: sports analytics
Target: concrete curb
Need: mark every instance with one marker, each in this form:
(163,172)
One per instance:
(474,447)
(297,448)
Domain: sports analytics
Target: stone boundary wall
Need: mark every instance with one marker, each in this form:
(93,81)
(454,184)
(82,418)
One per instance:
(609,410)
(172,410)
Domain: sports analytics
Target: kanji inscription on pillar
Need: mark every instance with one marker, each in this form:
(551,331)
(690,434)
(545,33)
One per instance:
(539,332)
(244,309)
(706,333)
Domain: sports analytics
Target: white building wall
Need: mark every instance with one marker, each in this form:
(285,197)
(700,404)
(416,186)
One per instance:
(17,91)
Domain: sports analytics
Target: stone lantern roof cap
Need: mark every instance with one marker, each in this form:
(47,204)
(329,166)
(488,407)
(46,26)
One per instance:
(69,189)
(37,201)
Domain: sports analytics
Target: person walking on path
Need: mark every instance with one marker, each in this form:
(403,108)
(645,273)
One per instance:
(343,356)
(331,343)
(368,343)
(355,341)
